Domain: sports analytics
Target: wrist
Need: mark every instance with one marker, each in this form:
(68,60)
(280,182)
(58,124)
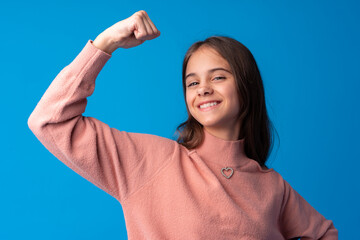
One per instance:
(104,43)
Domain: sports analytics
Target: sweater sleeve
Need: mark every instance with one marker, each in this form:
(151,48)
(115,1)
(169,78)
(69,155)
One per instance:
(117,162)
(298,219)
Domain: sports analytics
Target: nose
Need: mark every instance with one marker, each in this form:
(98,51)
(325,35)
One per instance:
(204,90)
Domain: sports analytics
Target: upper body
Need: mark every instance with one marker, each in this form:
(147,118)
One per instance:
(216,188)
(169,191)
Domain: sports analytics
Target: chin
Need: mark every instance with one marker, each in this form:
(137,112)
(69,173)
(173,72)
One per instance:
(209,123)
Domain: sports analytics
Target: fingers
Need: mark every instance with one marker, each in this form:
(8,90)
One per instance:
(148,28)
(145,29)
(154,29)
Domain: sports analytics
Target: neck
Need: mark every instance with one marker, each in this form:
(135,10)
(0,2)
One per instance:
(225,134)
(223,152)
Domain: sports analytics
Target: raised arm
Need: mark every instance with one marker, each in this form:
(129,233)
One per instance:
(105,156)
(127,33)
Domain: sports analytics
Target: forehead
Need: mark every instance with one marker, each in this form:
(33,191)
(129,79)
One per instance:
(205,58)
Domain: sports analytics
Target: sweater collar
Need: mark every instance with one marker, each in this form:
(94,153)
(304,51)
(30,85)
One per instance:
(223,152)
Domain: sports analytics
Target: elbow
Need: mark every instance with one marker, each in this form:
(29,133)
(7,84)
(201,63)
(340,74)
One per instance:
(331,233)
(31,122)
(34,123)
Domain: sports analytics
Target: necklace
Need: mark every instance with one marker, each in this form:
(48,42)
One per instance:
(227,169)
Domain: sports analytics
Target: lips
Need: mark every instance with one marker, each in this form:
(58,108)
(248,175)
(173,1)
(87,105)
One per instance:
(208,102)
(208,105)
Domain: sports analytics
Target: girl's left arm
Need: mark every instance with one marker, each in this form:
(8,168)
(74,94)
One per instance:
(298,219)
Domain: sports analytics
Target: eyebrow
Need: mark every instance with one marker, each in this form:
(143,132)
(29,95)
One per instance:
(209,71)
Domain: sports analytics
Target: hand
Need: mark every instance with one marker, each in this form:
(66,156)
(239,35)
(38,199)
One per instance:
(127,33)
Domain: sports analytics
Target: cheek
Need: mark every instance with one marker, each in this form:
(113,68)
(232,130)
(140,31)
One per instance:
(189,99)
(233,96)
(190,102)
(236,103)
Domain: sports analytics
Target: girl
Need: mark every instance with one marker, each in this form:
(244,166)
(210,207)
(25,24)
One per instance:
(212,183)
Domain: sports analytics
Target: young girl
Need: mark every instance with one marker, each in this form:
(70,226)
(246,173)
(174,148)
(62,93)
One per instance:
(212,183)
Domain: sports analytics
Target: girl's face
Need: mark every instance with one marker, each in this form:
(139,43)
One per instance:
(211,94)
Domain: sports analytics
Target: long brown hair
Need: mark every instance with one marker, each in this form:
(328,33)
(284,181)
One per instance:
(255,124)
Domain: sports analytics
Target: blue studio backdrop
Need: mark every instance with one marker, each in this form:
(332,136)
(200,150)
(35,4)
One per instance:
(308,55)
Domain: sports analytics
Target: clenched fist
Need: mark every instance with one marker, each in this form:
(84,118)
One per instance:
(127,33)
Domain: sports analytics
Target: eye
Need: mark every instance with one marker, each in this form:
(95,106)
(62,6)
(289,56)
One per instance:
(218,78)
(192,84)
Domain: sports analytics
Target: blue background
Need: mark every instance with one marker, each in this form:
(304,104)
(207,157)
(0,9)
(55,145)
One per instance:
(307,52)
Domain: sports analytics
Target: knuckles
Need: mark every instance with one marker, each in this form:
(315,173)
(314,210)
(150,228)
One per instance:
(141,13)
(144,33)
(139,16)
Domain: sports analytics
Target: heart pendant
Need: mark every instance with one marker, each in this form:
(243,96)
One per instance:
(227,169)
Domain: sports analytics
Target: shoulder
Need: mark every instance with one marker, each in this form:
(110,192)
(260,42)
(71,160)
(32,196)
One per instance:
(283,186)
(254,166)
(270,176)
(277,176)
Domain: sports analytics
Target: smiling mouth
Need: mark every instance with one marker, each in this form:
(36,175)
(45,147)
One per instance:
(209,106)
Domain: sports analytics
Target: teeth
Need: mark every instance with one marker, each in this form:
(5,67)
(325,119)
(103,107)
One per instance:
(208,105)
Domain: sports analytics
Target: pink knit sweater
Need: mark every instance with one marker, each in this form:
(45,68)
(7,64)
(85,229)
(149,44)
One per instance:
(167,191)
